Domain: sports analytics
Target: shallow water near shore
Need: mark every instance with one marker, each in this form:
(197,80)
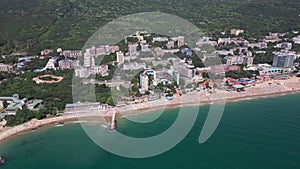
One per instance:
(260,133)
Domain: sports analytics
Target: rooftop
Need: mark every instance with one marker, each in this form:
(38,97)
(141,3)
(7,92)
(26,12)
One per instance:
(238,86)
(82,104)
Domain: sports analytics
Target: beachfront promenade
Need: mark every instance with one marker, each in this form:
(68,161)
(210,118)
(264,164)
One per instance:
(267,88)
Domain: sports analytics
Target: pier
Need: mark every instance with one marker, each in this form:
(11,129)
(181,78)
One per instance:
(113,124)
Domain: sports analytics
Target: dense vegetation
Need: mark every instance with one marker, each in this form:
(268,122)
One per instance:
(55,95)
(241,74)
(32,25)
(23,116)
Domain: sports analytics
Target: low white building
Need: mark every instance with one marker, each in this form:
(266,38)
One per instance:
(224,41)
(160,39)
(102,70)
(270,71)
(51,64)
(236,32)
(284,45)
(144,47)
(5,67)
(260,45)
(134,66)
(185,71)
(296,39)
(225,52)
(71,53)
(120,57)
(81,72)
(68,64)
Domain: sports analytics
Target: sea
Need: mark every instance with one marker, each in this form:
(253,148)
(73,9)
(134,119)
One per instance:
(252,134)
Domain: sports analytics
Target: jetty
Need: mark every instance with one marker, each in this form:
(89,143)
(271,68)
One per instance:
(113,124)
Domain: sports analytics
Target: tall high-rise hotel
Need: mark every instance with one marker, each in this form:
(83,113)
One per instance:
(283,59)
(180,41)
(144,82)
(89,57)
(132,49)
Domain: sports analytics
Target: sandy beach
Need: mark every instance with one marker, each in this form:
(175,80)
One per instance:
(264,89)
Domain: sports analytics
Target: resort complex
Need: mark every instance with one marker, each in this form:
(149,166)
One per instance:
(159,70)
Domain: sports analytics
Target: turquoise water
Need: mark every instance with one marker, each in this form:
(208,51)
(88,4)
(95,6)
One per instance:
(262,133)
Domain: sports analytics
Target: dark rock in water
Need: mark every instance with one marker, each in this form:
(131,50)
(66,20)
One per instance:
(2,160)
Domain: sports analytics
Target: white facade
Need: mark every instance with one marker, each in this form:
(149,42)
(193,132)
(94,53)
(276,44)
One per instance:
(134,66)
(170,44)
(180,41)
(145,47)
(132,49)
(88,61)
(297,39)
(284,45)
(236,32)
(120,57)
(236,60)
(160,39)
(185,71)
(5,68)
(81,72)
(51,64)
(144,82)
(283,59)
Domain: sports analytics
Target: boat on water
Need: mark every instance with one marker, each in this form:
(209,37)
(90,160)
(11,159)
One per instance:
(104,126)
(2,160)
(59,124)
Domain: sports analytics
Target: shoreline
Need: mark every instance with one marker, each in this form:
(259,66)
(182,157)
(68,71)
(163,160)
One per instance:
(185,100)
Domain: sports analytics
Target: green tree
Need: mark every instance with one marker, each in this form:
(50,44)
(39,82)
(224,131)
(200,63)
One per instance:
(110,101)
